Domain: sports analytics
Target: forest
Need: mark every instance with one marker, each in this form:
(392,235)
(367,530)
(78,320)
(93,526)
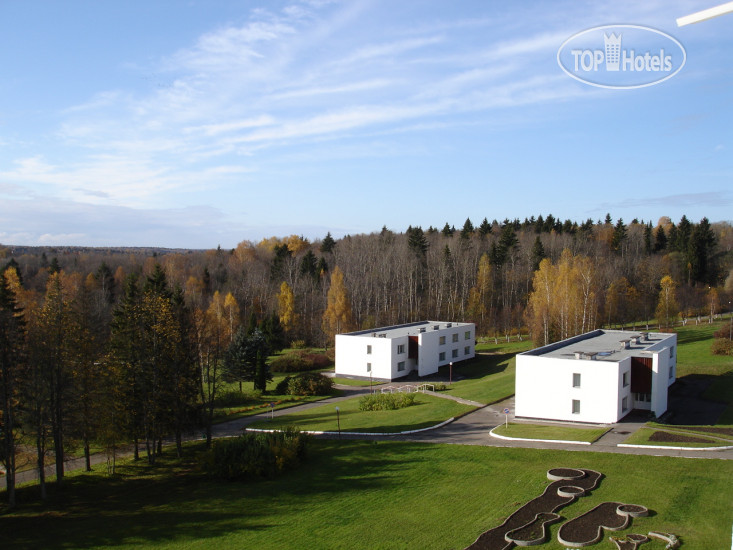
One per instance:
(106,346)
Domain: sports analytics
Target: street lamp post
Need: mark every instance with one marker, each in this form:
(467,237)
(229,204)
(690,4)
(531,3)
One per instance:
(338,421)
(450,376)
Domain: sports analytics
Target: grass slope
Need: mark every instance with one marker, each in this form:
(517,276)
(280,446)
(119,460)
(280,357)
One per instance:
(357,494)
(427,411)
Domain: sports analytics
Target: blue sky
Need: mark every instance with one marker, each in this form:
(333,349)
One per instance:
(204,123)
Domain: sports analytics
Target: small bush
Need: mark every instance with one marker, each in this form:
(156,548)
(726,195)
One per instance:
(386,401)
(722,346)
(282,386)
(234,398)
(297,344)
(300,361)
(723,333)
(441,386)
(256,455)
(310,383)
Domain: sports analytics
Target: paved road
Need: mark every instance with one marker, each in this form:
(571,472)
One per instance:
(471,429)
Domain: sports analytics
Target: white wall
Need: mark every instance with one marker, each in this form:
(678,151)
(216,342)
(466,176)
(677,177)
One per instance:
(352,357)
(544,389)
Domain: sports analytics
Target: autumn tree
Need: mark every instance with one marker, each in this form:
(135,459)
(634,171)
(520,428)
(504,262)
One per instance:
(286,307)
(667,307)
(338,317)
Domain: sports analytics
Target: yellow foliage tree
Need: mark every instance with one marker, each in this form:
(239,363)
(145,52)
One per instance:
(667,307)
(286,307)
(231,309)
(563,301)
(480,295)
(338,316)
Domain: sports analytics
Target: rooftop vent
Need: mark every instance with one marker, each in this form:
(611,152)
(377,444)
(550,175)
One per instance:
(448,325)
(422,329)
(625,344)
(436,327)
(382,335)
(645,336)
(635,340)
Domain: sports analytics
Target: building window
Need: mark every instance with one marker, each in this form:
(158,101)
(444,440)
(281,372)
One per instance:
(625,379)
(369,367)
(576,379)
(467,350)
(671,352)
(625,404)
(576,406)
(442,340)
(400,366)
(455,337)
(455,353)
(369,350)
(467,335)
(401,348)
(441,356)
(671,372)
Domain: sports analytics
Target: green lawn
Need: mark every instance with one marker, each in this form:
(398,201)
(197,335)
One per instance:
(365,495)
(427,411)
(489,377)
(541,431)
(357,383)
(643,435)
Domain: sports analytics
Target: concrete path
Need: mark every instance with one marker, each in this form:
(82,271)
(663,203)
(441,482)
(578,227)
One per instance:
(470,429)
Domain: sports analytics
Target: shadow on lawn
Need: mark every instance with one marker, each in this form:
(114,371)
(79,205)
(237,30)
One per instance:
(483,364)
(175,504)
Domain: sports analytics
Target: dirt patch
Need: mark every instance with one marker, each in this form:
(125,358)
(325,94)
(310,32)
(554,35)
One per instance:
(667,437)
(718,431)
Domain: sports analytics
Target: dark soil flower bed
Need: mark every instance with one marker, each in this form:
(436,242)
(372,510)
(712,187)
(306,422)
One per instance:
(588,528)
(720,431)
(667,437)
(556,495)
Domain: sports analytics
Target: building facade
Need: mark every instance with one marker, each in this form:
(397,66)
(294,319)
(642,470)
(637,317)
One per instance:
(393,352)
(597,377)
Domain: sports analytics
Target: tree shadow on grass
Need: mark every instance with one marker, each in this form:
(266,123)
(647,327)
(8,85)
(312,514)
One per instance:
(172,505)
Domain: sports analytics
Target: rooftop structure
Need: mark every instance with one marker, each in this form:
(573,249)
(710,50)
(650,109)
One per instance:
(596,377)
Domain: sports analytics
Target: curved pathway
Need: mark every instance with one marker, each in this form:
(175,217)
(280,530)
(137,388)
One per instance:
(470,429)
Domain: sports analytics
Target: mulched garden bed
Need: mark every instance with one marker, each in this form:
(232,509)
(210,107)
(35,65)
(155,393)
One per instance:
(527,526)
(721,431)
(588,528)
(667,437)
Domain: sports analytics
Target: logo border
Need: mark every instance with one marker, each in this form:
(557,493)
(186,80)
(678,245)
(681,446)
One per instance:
(628,26)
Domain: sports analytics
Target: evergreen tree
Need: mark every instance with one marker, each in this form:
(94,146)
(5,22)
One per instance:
(447,231)
(417,242)
(484,229)
(328,244)
(538,253)
(467,230)
(660,239)
(12,358)
(618,237)
(648,238)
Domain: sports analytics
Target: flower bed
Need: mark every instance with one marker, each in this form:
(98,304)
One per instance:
(588,528)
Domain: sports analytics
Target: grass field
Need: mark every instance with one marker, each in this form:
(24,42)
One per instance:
(542,431)
(364,495)
(489,377)
(426,412)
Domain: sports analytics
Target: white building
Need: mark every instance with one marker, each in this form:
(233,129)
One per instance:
(597,377)
(393,352)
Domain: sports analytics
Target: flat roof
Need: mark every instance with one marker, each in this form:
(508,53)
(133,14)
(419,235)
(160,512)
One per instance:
(397,331)
(604,345)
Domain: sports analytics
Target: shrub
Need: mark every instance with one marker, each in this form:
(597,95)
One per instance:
(723,333)
(300,361)
(722,346)
(234,398)
(297,344)
(256,455)
(386,401)
(310,383)
(282,386)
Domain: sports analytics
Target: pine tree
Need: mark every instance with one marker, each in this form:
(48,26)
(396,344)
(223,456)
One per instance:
(328,244)
(12,358)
